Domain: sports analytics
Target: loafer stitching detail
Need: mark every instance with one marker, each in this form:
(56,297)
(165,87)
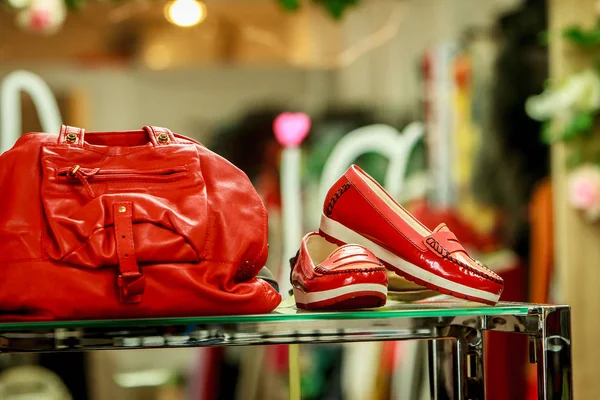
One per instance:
(336,196)
(435,245)
(325,271)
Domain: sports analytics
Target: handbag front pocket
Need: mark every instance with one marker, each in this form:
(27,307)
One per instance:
(87,177)
(106,175)
(168,216)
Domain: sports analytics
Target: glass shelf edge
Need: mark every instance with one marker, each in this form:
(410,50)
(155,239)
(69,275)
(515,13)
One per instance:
(516,310)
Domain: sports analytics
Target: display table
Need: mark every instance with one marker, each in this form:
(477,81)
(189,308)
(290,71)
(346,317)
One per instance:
(454,330)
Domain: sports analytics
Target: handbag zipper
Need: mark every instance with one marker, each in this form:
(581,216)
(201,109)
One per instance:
(102,175)
(86,176)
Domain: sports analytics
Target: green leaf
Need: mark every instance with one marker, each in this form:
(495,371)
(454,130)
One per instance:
(582,123)
(74,4)
(582,38)
(336,8)
(548,136)
(568,134)
(290,5)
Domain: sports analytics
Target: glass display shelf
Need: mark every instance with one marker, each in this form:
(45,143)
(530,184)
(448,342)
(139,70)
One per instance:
(455,329)
(289,313)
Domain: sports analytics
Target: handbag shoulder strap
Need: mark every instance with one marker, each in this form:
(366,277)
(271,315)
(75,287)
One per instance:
(75,136)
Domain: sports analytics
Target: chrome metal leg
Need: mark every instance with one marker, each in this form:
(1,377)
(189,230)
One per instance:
(441,368)
(470,374)
(553,356)
(408,381)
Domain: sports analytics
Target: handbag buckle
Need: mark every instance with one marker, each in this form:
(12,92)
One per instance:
(131,287)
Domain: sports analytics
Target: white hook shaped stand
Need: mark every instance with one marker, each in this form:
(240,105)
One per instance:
(378,138)
(10,106)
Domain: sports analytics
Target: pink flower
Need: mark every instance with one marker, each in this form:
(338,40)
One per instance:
(42,16)
(40,20)
(584,190)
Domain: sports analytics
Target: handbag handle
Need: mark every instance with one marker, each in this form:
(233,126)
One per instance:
(73,136)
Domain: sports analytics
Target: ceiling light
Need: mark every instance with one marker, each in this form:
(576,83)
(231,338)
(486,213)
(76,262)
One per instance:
(185,12)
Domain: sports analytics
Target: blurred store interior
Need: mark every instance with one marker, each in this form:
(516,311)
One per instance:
(461,70)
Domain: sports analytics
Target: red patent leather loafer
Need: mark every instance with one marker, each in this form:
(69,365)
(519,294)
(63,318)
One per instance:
(327,276)
(358,210)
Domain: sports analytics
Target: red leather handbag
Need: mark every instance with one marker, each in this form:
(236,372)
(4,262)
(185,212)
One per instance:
(127,224)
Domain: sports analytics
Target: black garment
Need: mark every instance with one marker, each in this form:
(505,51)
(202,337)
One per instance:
(513,158)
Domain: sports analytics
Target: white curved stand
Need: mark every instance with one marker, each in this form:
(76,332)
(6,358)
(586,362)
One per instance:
(381,139)
(10,106)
